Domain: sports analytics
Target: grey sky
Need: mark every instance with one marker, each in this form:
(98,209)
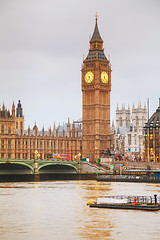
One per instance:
(42,43)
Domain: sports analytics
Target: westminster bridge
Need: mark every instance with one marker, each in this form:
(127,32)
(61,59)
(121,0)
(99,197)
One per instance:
(47,166)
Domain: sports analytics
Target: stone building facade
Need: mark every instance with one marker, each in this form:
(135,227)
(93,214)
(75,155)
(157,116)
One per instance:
(128,136)
(152,137)
(17,143)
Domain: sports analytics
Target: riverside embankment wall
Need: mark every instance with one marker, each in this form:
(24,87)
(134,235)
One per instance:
(117,164)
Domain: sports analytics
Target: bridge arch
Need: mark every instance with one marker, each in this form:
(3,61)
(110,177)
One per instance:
(15,168)
(62,166)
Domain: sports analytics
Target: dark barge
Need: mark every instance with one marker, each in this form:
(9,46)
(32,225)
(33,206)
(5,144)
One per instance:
(126,206)
(128,178)
(146,203)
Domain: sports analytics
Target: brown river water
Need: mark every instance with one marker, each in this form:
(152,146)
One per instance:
(58,210)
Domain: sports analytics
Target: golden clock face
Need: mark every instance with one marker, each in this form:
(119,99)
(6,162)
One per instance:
(104,77)
(89,76)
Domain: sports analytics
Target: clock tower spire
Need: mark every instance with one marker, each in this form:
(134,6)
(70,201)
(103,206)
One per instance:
(96,87)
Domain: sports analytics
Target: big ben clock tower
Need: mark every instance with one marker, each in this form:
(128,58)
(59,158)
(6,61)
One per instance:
(96,87)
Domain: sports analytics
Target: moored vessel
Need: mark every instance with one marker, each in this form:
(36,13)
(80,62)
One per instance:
(147,203)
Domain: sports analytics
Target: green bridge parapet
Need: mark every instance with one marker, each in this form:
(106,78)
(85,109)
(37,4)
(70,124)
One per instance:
(35,165)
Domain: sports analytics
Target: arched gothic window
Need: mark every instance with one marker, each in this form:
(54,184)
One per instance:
(2,129)
(137,121)
(9,130)
(120,122)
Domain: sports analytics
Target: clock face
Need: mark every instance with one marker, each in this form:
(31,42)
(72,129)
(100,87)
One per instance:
(89,76)
(104,77)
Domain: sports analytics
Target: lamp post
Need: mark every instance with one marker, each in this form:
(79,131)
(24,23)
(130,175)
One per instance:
(79,155)
(79,166)
(37,155)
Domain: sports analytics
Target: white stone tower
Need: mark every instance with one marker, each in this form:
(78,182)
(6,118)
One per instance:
(123,117)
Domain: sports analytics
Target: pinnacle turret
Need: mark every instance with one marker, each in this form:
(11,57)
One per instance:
(96,52)
(13,110)
(19,110)
(68,126)
(3,107)
(96,37)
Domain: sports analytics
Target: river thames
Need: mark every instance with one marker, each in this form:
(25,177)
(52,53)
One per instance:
(58,210)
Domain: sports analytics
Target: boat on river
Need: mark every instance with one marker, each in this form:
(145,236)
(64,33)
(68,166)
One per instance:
(147,203)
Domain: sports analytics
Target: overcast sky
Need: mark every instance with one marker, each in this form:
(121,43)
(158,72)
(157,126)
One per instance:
(42,43)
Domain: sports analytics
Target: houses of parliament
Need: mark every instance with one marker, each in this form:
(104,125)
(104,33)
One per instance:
(88,140)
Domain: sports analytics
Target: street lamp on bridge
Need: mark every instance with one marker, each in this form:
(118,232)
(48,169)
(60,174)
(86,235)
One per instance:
(37,155)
